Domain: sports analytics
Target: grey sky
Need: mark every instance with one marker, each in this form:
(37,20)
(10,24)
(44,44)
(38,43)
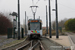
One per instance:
(66,8)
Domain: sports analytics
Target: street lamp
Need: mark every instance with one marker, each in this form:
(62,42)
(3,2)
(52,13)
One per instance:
(56,10)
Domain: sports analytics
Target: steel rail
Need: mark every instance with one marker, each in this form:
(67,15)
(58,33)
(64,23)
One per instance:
(20,48)
(41,46)
(32,47)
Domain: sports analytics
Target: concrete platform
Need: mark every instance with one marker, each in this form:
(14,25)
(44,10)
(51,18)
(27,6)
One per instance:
(63,40)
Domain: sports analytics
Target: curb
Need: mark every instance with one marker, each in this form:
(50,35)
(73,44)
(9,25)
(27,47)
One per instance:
(71,42)
(14,44)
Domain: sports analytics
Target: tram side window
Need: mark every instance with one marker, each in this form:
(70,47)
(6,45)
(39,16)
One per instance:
(28,26)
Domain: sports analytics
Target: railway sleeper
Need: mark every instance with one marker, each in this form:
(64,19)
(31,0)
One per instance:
(32,47)
(21,48)
(40,46)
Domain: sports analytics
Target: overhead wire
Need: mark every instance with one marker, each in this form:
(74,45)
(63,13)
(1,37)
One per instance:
(37,1)
(66,6)
(71,12)
(68,12)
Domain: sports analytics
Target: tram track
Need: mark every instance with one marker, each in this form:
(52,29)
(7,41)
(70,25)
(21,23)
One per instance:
(32,45)
(35,44)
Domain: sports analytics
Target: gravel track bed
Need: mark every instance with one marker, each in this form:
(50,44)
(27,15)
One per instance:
(14,47)
(34,42)
(45,42)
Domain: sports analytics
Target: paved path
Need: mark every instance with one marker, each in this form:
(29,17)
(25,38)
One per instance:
(63,40)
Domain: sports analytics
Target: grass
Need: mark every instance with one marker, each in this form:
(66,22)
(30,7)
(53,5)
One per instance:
(67,30)
(53,32)
(13,42)
(63,33)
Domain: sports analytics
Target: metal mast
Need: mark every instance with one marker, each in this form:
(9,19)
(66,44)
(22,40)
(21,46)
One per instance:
(46,21)
(50,20)
(57,34)
(25,24)
(18,20)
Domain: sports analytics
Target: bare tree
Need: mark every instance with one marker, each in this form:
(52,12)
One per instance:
(61,23)
(4,24)
(6,14)
(53,25)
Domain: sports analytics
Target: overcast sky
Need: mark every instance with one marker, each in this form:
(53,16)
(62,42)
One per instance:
(66,8)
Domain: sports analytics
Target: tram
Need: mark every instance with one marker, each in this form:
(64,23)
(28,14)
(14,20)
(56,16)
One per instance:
(34,28)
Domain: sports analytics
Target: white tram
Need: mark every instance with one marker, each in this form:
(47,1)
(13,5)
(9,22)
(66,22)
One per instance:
(34,28)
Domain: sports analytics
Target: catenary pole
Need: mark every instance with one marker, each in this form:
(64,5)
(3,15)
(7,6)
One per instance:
(25,24)
(46,21)
(18,20)
(50,21)
(57,34)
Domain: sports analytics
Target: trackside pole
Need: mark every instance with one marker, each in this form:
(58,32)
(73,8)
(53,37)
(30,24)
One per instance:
(57,34)
(46,21)
(50,35)
(18,20)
